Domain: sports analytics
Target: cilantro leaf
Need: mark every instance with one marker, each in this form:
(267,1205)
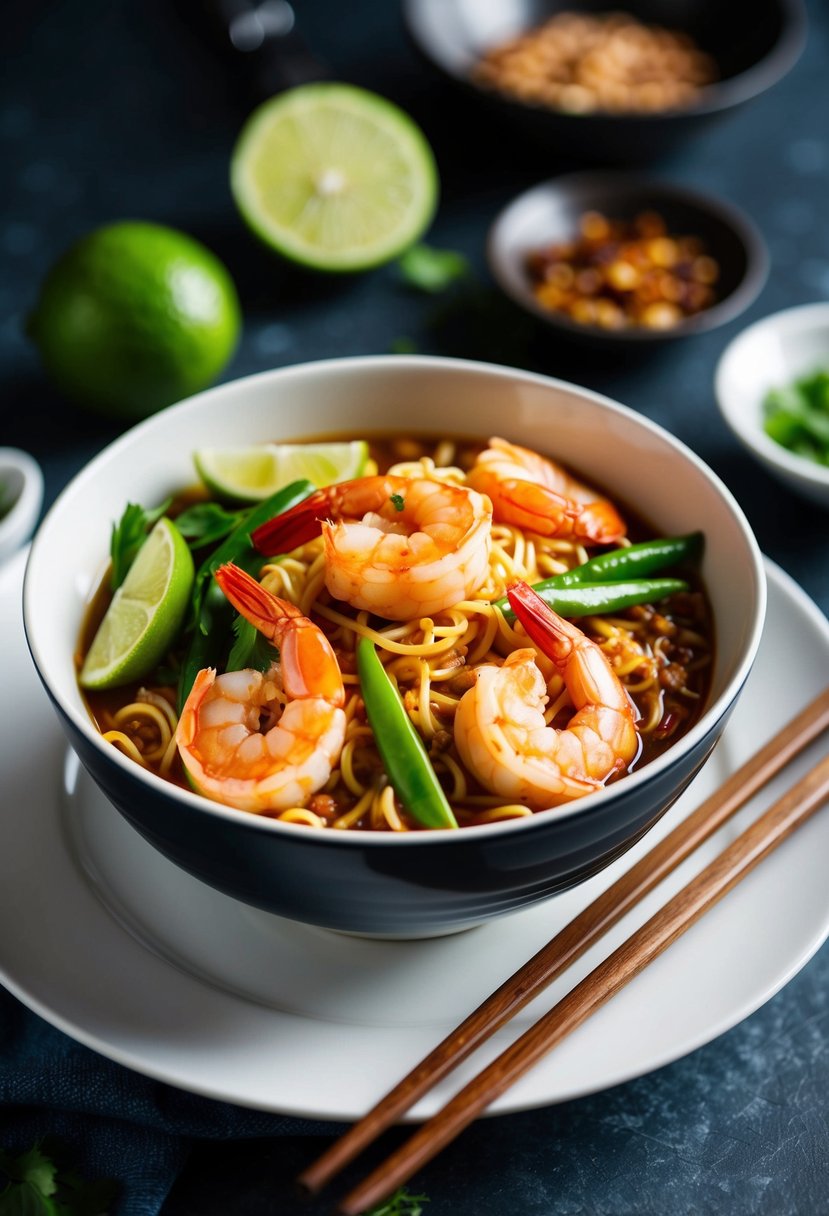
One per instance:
(401,1203)
(205,523)
(128,535)
(397,501)
(23,1199)
(432,270)
(250,648)
(39,1185)
(32,1166)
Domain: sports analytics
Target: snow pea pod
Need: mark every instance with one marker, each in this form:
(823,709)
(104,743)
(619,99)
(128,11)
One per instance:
(591,599)
(401,749)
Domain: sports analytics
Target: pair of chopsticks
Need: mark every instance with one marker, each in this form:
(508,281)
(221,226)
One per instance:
(627,961)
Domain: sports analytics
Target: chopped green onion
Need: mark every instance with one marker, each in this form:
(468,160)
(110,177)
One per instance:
(797,416)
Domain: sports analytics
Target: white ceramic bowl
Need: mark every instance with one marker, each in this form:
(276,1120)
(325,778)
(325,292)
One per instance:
(424,882)
(771,354)
(21,497)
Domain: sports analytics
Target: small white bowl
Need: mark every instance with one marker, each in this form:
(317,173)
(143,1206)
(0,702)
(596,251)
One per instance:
(770,354)
(21,497)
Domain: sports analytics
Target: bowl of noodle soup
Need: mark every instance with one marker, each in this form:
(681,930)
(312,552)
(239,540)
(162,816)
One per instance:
(349,855)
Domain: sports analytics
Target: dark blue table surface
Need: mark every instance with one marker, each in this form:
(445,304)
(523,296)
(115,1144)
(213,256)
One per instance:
(113,110)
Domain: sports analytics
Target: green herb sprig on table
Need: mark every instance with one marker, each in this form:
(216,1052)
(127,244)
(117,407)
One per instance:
(432,270)
(401,1203)
(39,1182)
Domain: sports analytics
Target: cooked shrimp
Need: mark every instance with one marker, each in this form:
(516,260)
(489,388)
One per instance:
(237,742)
(401,547)
(530,491)
(500,729)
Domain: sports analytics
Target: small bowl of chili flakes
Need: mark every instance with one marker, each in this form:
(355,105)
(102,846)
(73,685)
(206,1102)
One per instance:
(616,258)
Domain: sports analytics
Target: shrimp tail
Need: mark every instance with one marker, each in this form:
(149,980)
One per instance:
(256,604)
(558,639)
(553,636)
(292,528)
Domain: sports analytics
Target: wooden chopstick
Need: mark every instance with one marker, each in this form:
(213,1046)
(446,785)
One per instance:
(574,940)
(608,978)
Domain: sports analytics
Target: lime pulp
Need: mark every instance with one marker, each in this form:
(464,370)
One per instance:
(334,177)
(146,612)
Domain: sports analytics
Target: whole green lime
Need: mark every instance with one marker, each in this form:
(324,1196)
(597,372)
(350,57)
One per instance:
(134,317)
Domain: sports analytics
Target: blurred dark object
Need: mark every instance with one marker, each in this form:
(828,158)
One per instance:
(753,42)
(259,41)
(553,211)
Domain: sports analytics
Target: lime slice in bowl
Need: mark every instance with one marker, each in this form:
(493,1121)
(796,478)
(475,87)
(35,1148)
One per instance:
(334,177)
(145,614)
(253,473)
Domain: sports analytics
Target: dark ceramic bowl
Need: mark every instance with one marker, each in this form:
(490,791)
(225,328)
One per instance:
(552,210)
(428,882)
(754,43)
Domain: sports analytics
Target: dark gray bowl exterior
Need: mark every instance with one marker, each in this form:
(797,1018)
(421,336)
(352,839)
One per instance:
(389,887)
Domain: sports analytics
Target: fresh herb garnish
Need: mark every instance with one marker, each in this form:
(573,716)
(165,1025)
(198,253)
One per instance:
(128,535)
(250,648)
(206,523)
(401,1203)
(432,270)
(403,346)
(210,612)
(397,501)
(40,1183)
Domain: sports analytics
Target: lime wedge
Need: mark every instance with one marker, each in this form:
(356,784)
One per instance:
(142,621)
(251,474)
(334,177)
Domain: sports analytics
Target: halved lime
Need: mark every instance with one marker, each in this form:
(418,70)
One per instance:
(142,621)
(253,473)
(334,177)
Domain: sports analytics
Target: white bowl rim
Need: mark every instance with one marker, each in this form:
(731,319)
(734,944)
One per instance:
(787,320)
(426,836)
(17,524)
